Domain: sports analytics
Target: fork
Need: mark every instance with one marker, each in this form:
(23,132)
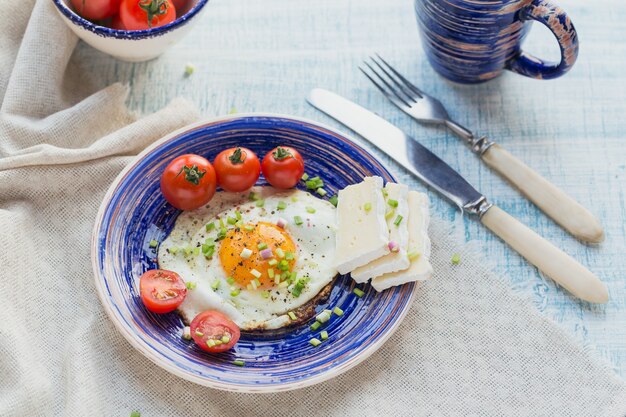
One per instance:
(562,208)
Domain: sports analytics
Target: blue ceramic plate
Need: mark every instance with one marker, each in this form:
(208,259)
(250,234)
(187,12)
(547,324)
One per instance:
(134,212)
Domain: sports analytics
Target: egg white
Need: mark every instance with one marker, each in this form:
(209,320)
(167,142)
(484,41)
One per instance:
(314,239)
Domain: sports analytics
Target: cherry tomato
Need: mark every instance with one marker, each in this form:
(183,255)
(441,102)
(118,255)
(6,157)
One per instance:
(116,23)
(162,291)
(146,14)
(96,9)
(237,169)
(188,182)
(283,167)
(214,332)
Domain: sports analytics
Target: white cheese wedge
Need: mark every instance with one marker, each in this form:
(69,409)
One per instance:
(419,247)
(398,233)
(362,235)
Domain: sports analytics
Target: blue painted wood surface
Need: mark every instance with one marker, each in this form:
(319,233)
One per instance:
(266,56)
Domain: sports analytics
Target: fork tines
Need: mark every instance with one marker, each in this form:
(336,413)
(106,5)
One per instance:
(396,86)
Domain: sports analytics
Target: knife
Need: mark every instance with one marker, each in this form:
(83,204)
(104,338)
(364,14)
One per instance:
(428,167)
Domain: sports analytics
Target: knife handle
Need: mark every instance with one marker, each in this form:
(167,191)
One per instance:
(562,208)
(552,261)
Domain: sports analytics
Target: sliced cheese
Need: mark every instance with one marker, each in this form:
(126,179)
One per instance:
(398,233)
(362,235)
(419,243)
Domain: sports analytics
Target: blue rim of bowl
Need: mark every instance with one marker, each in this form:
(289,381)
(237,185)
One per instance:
(127,34)
(148,351)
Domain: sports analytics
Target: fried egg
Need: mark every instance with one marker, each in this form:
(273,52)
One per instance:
(255,256)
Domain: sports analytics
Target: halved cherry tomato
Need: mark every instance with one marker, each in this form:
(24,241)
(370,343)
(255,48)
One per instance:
(116,23)
(237,169)
(283,167)
(162,291)
(96,9)
(188,182)
(146,14)
(214,332)
(179,5)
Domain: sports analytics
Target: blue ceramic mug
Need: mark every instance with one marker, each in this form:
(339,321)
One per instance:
(472,41)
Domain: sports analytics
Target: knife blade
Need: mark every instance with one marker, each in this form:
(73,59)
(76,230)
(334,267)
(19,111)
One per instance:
(405,150)
(427,166)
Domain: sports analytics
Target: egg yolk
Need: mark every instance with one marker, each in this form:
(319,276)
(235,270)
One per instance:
(251,237)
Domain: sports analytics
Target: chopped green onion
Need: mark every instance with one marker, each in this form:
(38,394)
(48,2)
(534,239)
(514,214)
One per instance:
(305,176)
(281,205)
(359,293)
(413,255)
(265,294)
(230,280)
(385,193)
(154,243)
(456,259)
(225,339)
(293,275)
(199,333)
(398,220)
(294,199)
(321,192)
(393,203)
(298,287)
(222,225)
(314,183)
(210,342)
(187,251)
(239,224)
(280,253)
(323,317)
(206,247)
(389,214)
(187,333)
(189,69)
(310,210)
(270,273)
(262,246)
(338,311)
(367,207)
(298,220)
(334,200)
(238,215)
(260,203)
(210,252)
(196,251)
(245,253)
(135,414)
(324,335)
(215,285)
(283,265)
(190,285)
(253,196)
(248,228)
(239,363)
(231,220)
(315,342)
(221,234)
(292,316)
(272,262)
(233,110)
(282,284)
(255,273)
(209,227)
(235,292)
(315,326)
(289,256)
(173,250)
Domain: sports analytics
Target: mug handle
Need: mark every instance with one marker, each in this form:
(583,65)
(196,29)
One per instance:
(555,19)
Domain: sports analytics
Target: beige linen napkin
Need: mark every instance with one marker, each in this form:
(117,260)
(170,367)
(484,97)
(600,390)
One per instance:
(469,347)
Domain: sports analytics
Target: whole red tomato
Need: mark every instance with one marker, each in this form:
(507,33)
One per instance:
(283,167)
(214,332)
(162,291)
(188,182)
(96,9)
(146,14)
(237,169)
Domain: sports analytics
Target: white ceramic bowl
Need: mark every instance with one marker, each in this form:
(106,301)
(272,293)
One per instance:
(130,45)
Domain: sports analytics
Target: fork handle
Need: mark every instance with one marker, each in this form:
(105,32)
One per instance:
(562,208)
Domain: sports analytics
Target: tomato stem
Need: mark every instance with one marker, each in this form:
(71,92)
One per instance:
(154,8)
(238,156)
(281,153)
(192,174)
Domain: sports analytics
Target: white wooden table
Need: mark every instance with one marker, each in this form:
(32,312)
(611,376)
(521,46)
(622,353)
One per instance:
(266,55)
